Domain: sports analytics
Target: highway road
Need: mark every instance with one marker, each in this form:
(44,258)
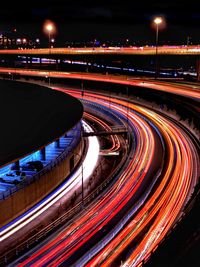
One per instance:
(148,205)
(71,184)
(186,90)
(17,229)
(136,212)
(143,50)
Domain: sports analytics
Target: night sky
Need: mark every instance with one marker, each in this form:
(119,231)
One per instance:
(104,19)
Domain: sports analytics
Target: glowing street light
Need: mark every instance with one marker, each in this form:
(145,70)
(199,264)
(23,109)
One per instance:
(49,27)
(157,21)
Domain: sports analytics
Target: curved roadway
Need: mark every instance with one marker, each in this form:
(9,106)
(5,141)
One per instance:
(183,89)
(150,202)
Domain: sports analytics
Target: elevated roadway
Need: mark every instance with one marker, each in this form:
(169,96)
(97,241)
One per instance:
(192,91)
(143,50)
(90,52)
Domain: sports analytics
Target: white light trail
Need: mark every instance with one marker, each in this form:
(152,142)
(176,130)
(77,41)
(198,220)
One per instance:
(89,164)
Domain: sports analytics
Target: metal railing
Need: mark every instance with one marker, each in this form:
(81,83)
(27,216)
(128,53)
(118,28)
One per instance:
(74,142)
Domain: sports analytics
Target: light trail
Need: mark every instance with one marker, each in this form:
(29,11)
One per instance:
(184,90)
(115,198)
(180,180)
(142,50)
(156,215)
(115,142)
(72,183)
(167,200)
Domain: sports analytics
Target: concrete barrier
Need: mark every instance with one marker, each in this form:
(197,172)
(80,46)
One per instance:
(28,196)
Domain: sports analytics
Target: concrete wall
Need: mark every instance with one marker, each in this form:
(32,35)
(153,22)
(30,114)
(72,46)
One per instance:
(25,198)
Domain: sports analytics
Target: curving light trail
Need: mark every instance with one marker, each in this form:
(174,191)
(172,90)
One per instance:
(166,202)
(149,217)
(100,214)
(152,216)
(184,90)
(135,50)
(115,142)
(72,183)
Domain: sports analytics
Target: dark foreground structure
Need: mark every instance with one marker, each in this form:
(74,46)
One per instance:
(32,116)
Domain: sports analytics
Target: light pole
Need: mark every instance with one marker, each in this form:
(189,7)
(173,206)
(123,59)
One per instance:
(49,28)
(157,21)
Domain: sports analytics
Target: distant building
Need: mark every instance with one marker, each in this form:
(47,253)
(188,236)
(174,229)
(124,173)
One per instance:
(11,39)
(7,39)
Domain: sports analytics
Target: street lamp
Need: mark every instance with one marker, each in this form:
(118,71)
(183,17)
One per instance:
(157,21)
(49,28)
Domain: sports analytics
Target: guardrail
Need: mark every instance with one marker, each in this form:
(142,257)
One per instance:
(74,142)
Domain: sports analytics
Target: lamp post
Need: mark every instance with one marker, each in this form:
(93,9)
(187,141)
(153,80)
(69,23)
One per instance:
(49,28)
(157,21)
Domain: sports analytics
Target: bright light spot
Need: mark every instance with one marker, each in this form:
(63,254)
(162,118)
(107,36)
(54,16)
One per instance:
(49,27)
(158,20)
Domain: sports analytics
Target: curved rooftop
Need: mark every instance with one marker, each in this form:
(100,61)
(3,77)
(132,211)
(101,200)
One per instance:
(31,116)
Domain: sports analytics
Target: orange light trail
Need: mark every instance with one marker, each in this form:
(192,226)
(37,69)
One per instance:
(160,211)
(184,90)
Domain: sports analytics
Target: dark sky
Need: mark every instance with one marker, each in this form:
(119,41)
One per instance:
(104,19)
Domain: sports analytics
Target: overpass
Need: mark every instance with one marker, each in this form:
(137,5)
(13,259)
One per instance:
(143,50)
(190,50)
(118,129)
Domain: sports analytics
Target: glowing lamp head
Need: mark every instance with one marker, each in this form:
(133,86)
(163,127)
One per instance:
(158,20)
(49,27)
